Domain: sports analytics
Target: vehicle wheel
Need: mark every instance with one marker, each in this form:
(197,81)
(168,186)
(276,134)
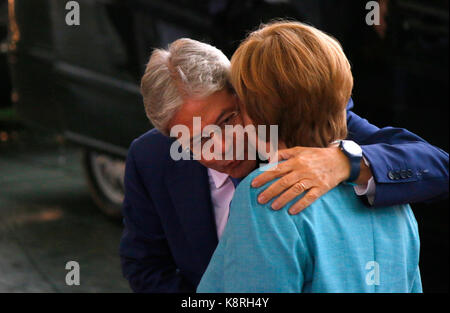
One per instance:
(105,176)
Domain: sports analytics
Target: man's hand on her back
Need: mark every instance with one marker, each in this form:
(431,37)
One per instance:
(314,170)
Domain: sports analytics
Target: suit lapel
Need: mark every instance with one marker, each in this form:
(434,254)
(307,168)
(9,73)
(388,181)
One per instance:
(188,186)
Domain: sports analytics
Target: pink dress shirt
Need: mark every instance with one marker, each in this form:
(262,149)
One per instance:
(222,191)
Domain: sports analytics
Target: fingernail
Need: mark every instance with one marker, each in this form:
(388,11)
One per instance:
(275,206)
(262,199)
(292,212)
(255,183)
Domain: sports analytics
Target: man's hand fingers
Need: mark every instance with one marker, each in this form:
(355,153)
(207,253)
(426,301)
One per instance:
(278,187)
(312,195)
(286,154)
(267,176)
(295,190)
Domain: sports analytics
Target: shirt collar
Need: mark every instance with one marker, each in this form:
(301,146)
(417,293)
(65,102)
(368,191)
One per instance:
(218,177)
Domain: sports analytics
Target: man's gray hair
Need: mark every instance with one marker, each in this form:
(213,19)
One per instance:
(187,69)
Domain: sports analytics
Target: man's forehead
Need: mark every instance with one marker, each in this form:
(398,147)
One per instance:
(208,110)
(189,111)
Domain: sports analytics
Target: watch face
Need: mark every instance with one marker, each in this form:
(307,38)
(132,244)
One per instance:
(352,148)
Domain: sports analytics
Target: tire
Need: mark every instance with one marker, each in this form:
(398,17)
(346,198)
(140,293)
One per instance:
(105,176)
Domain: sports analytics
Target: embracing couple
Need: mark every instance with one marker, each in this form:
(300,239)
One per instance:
(331,216)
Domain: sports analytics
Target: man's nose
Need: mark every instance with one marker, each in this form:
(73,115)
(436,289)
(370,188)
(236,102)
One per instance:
(220,141)
(228,142)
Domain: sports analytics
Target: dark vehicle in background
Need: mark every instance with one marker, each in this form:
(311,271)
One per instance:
(82,81)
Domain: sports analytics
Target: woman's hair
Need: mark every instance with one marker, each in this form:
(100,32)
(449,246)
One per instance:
(187,69)
(297,77)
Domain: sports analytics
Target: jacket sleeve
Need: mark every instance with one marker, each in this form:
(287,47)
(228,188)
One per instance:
(405,167)
(146,259)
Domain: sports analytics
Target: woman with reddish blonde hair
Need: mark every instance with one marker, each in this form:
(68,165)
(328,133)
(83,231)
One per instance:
(289,69)
(297,77)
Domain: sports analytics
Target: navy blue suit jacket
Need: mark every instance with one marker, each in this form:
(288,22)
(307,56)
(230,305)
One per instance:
(170,234)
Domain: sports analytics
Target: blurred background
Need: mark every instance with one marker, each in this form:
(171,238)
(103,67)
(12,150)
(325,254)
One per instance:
(70,106)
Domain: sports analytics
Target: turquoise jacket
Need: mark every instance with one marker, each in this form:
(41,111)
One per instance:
(335,245)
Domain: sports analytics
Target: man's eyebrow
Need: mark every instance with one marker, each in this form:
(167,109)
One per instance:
(221,115)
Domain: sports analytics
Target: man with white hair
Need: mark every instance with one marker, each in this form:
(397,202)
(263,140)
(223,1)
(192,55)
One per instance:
(175,210)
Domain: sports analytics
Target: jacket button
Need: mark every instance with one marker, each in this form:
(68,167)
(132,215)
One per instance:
(391,175)
(397,175)
(404,174)
(410,173)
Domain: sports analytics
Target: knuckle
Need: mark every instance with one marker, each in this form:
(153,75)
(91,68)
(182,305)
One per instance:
(312,195)
(299,158)
(284,183)
(328,186)
(324,184)
(310,166)
(298,188)
(298,163)
(277,169)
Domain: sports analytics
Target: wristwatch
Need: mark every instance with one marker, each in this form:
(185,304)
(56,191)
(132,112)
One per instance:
(354,153)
